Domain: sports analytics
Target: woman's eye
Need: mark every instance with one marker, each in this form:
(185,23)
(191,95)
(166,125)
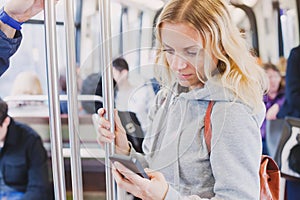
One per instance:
(169,51)
(191,53)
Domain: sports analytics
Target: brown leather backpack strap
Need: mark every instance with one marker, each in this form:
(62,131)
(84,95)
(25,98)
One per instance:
(207,125)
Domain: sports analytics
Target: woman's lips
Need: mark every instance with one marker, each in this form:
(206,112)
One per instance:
(184,76)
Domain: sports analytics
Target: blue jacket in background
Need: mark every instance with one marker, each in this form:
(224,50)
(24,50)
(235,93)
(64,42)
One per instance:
(8,46)
(23,162)
(291,105)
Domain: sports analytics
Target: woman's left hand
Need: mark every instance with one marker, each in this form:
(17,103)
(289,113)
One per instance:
(156,188)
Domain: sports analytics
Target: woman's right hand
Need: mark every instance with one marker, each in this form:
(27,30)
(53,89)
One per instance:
(105,136)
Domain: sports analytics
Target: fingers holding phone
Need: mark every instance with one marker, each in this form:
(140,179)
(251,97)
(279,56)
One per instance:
(154,188)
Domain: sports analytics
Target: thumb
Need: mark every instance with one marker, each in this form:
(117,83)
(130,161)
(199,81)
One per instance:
(118,123)
(154,174)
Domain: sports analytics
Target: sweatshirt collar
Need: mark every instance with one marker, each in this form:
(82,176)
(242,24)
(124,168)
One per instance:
(212,91)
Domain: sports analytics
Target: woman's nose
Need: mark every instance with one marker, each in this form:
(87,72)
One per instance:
(178,62)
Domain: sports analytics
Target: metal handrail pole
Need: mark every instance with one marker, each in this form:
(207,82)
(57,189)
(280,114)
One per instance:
(54,107)
(107,88)
(73,121)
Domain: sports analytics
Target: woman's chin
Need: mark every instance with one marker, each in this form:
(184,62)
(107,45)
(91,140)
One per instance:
(184,83)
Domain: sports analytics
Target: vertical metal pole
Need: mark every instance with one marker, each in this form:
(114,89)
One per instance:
(54,107)
(107,88)
(141,15)
(78,28)
(73,121)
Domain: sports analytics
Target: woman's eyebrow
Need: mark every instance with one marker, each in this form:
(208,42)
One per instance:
(186,48)
(165,45)
(192,47)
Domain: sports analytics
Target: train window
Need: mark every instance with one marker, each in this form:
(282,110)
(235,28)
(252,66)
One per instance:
(131,28)
(90,38)
(290,33)
(242,21)
(245,19)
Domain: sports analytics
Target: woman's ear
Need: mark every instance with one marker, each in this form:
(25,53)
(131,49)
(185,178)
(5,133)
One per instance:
(6,121)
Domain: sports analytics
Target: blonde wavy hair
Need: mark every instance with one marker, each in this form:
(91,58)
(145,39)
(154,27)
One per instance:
(238,70)
(27,83)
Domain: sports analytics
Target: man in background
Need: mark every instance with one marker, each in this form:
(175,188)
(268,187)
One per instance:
(291,107)
(23,161)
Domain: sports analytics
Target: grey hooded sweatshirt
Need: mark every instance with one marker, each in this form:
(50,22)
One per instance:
(175,145)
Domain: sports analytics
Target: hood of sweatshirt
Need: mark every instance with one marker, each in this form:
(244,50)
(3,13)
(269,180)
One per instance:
(211,91)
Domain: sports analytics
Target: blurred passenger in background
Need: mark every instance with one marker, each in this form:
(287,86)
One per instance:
(63,88)
(123,89)
(273,99)
(63,91)
(281,65)
(155,84)
(130,97)
(27,83)
(23,161)
(100,93)
(89,86)
(291,106)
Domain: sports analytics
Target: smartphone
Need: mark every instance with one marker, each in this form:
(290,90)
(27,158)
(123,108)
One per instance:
(131,163)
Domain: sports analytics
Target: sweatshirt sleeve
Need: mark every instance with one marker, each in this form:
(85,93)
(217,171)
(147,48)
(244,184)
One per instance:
(235,154)
(8,46)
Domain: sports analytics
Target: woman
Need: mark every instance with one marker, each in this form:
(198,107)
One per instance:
(273,99)
(27,83)
(205,59)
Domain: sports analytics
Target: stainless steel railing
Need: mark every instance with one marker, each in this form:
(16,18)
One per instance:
(76,171)
(54,107)
(107,88)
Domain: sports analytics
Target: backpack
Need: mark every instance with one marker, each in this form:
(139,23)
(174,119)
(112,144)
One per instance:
(269,173)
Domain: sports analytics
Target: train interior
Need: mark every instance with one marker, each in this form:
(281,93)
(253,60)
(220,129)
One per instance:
(271,27)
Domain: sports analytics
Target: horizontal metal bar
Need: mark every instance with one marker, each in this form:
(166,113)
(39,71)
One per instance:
(62,97)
